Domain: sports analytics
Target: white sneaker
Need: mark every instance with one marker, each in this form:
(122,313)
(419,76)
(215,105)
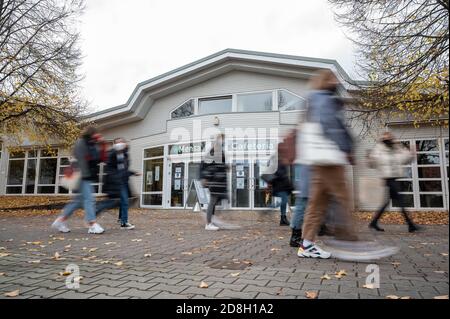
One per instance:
(95,229)
(60,226)
(312,251)
(211,226)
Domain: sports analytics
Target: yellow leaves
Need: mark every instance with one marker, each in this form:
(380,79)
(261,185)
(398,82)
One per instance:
(369,286)
(203,285)
(311,294)
(340,274)
(65,273)
(14,293)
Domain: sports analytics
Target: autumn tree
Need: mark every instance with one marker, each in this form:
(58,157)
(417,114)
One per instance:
(403,54)
(39,59)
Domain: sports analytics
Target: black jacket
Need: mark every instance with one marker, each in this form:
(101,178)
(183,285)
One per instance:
(115,178)
(215,174)
(281,183)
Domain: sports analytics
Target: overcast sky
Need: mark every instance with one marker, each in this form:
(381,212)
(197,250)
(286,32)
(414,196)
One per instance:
(126,42)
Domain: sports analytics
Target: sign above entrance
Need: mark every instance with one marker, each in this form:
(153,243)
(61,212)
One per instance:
(250,145)
(188,148)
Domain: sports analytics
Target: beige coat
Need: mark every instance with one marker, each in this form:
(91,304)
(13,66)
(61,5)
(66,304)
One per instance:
(389,161)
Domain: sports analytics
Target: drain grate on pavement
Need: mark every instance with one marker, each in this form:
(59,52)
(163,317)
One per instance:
(229,264)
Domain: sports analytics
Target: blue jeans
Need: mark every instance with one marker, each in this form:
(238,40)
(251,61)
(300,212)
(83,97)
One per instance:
(122,203)
(85,200)
(284,200)
(299,212)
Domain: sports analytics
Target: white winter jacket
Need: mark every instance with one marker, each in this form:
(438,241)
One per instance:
(389,161)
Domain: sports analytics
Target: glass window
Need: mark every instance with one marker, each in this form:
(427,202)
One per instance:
(32,153)
(31,176)
(431,200)
(152,199)
(15,172)
(405,186)
(429,172)
(17,154)
(289,102)
(154,152)
(427,146)
(52,152)
(14,190)
(185,110)
(153,175)
(215,105)
(428,159)
(254,102)
(408,201)
(47,171)
(430,186)
(46,189)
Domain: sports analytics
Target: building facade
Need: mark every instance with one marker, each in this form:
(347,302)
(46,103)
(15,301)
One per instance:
(255,99)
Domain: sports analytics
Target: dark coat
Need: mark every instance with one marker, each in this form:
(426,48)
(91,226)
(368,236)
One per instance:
(281,183)
(215,175)
(115,178)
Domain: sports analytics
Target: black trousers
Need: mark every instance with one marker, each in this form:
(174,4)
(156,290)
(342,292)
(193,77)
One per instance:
(393,191)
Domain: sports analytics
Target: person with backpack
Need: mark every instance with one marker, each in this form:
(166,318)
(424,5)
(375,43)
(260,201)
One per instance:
(387,157)
(89,151)
(116,184)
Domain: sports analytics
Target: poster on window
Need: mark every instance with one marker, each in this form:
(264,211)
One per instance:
(177,175)
(239,168)
(240,183)
(177,185)
(156,173)
(177,169)
(240,174)
(149,177)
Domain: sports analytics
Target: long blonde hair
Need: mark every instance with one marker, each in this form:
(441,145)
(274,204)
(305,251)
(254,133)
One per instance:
(323,79)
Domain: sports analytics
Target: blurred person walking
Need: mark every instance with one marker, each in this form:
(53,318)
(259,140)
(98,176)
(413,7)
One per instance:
(326,144)
(116,184)
(89,151)
(387,157)
(213,174)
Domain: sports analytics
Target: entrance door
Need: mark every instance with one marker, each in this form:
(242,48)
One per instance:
(240,184)
(183,172)
(177,184)
(248,191)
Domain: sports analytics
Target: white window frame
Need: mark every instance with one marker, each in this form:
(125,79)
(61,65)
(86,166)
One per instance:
(290,92)
(163,191)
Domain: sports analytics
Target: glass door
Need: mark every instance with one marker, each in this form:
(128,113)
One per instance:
(240,184)
(177,184)
(262,195)
(193,173)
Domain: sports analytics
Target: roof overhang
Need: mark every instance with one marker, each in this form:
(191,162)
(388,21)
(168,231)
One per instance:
(209,67)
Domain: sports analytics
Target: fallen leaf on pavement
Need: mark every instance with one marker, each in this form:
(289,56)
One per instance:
(92,250)
(34,261)
(120,263)
(2,248)
(439,271)
(186,253)
(110,243)
(235,274)
(65,273)
(444,254)
(14,293)
(325,277)
(405,297)
(369,286)
(67,246)
(77,279)
(395,263)
(147,255)
(340,274)
(275,249)
(136,240)
(203,285)
(392,297)
(4,254)
(279,291)
(311,294)
(441,297)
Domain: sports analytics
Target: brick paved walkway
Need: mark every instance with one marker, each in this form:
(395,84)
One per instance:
(169,254)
